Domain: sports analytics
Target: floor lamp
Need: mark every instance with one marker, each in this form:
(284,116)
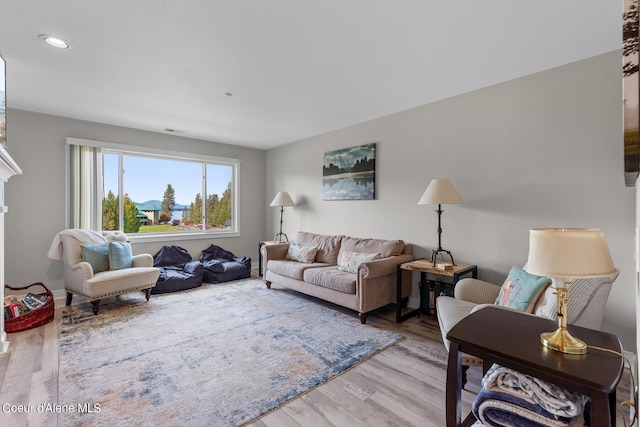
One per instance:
(282,199)
(441,192)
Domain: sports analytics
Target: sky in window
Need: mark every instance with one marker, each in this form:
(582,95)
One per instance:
(146,179)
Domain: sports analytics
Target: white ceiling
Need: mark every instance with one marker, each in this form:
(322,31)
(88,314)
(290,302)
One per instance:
(296,68)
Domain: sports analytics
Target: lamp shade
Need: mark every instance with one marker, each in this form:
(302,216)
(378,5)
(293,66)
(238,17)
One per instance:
(441,192)
(569,253)
(282,199)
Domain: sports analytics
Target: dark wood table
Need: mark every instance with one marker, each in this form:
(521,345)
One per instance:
(512,339)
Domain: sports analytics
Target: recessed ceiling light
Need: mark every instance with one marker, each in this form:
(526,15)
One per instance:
(56,42)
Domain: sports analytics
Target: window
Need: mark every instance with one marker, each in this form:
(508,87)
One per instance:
(150,193)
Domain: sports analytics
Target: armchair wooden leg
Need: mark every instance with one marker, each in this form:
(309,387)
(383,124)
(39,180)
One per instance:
(96,306)
(69,298)
(147,293)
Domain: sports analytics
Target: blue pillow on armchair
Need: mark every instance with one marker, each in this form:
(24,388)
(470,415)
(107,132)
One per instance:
(521,290)
(120,255)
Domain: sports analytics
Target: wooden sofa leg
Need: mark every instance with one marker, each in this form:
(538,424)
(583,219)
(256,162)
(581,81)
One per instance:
(268,284)
(69,298)
(147,293)
(363,317)
(96,306)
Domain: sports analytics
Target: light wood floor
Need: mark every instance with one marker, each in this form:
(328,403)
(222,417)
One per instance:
(401,386)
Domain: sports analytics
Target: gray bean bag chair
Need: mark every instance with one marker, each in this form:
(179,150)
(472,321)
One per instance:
(178,271)
(222,266)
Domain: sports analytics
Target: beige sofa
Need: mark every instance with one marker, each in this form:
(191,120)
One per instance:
(371,287)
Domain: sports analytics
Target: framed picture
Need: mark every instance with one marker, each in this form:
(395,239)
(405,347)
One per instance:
(349,173)
(631,92)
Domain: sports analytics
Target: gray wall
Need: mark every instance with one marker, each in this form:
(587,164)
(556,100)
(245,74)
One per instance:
(36,198)
(541,151)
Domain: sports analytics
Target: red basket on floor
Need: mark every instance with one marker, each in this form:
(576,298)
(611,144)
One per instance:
(37,317)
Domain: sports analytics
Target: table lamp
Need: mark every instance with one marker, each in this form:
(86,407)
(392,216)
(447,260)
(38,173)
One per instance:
(563,254)
(282,199)
(441,192)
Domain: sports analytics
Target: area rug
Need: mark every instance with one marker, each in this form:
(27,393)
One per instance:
(219,355)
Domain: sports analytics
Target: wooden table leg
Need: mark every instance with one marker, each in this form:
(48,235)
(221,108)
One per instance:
(600,410)
(454,385)
(612,407)
(398,294)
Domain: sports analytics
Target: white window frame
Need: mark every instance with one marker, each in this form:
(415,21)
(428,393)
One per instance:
(171,155)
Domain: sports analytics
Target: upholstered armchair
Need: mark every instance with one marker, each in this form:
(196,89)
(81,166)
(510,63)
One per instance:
(99,265)
(587,302)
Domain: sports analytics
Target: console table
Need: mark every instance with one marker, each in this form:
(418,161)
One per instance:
(514,342)
(430,275)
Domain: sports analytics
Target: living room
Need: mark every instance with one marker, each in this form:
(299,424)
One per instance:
(544,149)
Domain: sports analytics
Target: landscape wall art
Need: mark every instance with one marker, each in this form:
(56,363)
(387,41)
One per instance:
(631,92)
(349,173)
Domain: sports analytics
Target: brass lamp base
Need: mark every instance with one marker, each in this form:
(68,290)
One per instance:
(561,340)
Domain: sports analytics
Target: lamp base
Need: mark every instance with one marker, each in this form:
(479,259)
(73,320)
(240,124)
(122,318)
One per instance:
(561,340)
(279,237)
(434,256)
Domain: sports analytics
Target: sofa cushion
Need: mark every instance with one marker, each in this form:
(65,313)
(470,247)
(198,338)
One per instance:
(332,278)
(328,246)
(521,290)
(292,269)
(350,261)
(386,248)
(306,254)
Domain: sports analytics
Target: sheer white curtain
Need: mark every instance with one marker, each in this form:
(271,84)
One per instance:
(85,192)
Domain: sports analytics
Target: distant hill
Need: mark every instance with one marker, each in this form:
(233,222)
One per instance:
(158,203)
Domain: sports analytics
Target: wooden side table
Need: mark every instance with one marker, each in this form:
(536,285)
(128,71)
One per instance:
(429,275)
(262,243)
(512,339)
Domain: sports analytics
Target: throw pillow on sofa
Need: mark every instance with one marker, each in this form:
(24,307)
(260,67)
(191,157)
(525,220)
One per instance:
(350,260)
(305,254)
(521,290)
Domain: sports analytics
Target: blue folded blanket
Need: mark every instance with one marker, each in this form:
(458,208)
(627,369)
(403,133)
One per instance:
(550,397)
(502,409)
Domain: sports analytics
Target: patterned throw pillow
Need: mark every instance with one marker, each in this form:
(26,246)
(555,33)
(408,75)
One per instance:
(305,254)
(350,261)
(521,290)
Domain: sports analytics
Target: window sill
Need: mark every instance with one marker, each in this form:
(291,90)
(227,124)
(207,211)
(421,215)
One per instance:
(164,237)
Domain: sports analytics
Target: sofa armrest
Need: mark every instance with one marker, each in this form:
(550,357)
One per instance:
(142,260)
(476,291)
(273,252)
(383,266)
